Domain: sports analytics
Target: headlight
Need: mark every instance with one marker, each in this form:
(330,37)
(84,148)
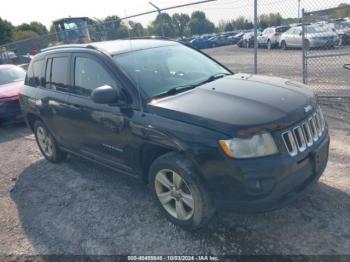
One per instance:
(255,146)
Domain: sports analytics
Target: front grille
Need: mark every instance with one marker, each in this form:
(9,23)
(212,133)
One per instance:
(304,135)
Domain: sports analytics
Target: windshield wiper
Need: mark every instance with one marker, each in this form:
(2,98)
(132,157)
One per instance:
(174,91)
(213,78)
(179,89)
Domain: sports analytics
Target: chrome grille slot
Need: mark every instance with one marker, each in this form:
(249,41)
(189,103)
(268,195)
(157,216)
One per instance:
(299,138)
(313,129)
(289,142)
(305,134)
(318,125)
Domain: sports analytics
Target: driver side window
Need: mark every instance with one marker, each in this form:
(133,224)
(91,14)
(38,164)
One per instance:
(88,75)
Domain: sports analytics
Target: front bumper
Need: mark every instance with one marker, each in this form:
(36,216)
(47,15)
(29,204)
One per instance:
(10,111)
(270,183)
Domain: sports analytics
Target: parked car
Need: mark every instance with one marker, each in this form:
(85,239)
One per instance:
(236,38)
(247,40)
(342,29)
(202,43)
(270,37)
(11,79)
(220,40)
(315,37)
(202,137)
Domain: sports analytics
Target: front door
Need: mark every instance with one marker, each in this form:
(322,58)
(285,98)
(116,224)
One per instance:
(100,131)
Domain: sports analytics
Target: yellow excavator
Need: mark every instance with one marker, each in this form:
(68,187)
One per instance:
(73,30)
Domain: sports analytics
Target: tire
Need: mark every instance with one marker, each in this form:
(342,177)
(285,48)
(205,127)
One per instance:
(307,45)
(174,180)
(284,45)
(269,45)
(47,143)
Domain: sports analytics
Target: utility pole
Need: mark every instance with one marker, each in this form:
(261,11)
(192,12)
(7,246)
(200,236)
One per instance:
(160,17)
(255,36)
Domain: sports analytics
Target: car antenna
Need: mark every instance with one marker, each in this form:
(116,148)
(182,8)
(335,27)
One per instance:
(134,63)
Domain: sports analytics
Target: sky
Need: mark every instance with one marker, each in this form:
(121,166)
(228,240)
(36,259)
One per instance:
(46,11)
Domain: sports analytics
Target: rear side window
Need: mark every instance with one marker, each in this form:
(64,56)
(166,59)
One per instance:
(57,74)
(90,74)
(35,75)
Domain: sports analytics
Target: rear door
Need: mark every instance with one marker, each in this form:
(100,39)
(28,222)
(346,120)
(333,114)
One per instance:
(53,93)
(98,131)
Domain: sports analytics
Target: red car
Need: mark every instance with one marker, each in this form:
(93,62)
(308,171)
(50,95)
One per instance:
(11,80)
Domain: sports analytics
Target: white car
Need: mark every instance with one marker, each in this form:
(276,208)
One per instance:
(315,37)
(270,37)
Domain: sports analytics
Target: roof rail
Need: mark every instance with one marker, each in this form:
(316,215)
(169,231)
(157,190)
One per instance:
(67,46)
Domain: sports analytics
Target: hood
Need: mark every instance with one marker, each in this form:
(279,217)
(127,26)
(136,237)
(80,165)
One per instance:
(239,105)
(10,90)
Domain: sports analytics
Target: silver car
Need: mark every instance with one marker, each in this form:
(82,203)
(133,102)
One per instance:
(270,37)
(315,37)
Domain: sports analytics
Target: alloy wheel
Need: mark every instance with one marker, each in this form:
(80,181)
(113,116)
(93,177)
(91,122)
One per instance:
(45,141)
(174,194)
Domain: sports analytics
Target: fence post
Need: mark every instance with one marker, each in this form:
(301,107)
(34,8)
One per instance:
(304,49)
(255,36)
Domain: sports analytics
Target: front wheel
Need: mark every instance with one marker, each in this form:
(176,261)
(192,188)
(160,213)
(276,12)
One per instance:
(180,192)
(47,143)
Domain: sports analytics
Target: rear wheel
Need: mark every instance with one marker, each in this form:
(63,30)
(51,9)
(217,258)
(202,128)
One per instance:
(307,45)
(284,45)
(47,143)
(180,192)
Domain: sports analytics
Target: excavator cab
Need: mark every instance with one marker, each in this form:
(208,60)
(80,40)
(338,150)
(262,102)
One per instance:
(73,30)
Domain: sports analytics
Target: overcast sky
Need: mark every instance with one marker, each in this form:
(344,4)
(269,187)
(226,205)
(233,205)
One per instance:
(46,11)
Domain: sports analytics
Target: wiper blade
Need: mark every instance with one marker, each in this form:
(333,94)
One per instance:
(179,89)
(213,78)
(174,91)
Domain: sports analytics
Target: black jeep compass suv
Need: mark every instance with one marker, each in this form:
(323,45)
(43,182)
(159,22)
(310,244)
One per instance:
(202,137)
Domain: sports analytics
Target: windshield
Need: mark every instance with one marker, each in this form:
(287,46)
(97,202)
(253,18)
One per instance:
(314,29)
(343,25)
(158,70)
(12,74)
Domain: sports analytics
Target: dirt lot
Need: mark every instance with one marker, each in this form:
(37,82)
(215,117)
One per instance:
(80,208)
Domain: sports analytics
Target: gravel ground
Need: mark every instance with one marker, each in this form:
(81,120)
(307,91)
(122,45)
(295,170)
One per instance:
(80,208)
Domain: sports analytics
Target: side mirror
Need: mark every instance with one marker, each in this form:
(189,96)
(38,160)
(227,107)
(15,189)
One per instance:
(105,95)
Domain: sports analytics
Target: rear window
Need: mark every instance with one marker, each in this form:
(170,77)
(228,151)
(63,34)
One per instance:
(35,75)
(57,73)
(282,29)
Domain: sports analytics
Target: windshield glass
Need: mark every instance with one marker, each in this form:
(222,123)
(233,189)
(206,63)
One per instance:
(12,74)
(314,29)
(157,70)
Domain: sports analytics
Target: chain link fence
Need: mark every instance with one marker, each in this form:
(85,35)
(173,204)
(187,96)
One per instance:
(301,40)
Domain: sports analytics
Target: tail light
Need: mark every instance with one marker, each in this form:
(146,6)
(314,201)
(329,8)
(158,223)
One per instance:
(276,34)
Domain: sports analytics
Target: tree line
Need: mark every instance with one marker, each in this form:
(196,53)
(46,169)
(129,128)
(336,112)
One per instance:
(176,25)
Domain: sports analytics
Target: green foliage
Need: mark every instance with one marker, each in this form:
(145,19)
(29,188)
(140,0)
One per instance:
(24,34)
(6,31)
(272,19)
(199,24)
(181,24)
(343,12)
(34,26)
(114,28)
